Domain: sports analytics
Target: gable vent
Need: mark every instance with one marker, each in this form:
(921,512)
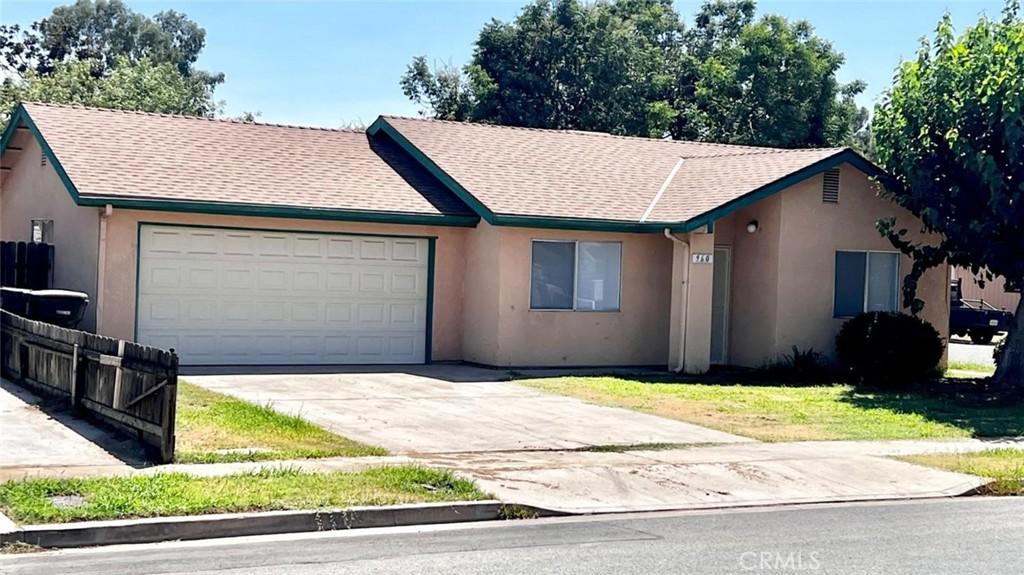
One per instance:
(42,159)
(830,187)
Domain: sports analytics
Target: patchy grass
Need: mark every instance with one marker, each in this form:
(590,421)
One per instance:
(31,501)
(19,548)
(772,413)
(1004,466)
(215,428)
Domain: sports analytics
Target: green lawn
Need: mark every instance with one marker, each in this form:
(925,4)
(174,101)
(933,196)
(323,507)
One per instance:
(1004,466)
(31,501)
(969,369)
(772,413)
(214,428)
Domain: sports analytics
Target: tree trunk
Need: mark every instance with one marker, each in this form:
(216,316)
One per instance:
(1010,373)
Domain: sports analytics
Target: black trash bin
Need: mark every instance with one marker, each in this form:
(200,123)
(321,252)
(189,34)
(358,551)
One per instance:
(15,300)
(59,307)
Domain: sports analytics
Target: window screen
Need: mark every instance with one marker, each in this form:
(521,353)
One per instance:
(851,268)
(597,281)
(883,281)
(866,281)
(551,282)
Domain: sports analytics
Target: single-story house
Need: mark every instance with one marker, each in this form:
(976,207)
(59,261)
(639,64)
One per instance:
(421,240)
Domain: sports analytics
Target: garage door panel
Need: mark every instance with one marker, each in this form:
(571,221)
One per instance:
(248,297)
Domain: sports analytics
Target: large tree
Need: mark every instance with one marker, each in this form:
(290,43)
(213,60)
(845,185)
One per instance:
(766,82)
(141,86)
(103,31)
(564,64)
(630,67)
(950,131)
(101,53)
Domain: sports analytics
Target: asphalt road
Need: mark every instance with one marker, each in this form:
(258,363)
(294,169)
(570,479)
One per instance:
(956,537)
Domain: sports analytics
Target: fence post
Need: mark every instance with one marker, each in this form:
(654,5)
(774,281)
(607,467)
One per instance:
(74,378)
(169,410)
(118,402)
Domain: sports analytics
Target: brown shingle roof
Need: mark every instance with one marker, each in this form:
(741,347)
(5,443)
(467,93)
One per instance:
(117,154)
(571,174)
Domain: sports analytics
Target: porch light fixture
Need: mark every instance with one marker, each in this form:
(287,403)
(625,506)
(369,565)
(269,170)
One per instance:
(752,226)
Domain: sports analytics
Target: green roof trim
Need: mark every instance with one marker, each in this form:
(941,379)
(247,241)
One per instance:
(20,116)
(706,219)
(381,125)
(271,211)
(844,156)
(581,224)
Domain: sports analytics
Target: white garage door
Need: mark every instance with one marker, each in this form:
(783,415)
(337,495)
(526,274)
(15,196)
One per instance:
(241,297)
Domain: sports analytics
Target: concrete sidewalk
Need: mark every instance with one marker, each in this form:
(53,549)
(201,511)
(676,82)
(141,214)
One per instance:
(727,475)
(33,436)
(737,475)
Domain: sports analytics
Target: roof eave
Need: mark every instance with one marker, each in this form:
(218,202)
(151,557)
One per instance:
(844,156)
(21,116)
(275,211)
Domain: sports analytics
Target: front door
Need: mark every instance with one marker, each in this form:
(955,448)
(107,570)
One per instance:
(720,306)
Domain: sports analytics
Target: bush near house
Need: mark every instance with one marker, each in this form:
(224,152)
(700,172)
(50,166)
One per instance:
(800,367)
(889,349)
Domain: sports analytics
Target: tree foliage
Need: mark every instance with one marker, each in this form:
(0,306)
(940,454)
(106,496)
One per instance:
(103,31)
(631,67)
(142,86)
(101,53)
(951,133)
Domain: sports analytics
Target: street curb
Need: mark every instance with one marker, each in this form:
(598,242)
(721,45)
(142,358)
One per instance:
(157,529)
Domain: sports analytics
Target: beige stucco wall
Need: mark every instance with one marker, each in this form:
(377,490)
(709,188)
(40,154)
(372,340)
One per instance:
(481,290)
(30,191)
(500,329)
(754,293)
(811,232)
(784,274)
(122,244)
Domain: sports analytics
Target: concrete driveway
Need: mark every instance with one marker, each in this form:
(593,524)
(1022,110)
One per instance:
(452,409)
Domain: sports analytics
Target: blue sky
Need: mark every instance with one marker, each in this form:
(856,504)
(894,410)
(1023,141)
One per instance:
(332,63)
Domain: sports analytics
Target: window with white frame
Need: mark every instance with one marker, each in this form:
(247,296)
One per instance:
(866,281)
(575,275)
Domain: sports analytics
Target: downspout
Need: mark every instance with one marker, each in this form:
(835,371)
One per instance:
(102,266)
(685,304)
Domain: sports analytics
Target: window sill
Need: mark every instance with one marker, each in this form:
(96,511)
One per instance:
(577,310)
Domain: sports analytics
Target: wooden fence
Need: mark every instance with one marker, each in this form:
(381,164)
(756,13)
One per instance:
(26,265)
(130,386)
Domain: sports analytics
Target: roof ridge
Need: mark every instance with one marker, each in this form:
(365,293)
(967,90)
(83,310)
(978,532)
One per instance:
(768,151)
(188,117)
(763,149)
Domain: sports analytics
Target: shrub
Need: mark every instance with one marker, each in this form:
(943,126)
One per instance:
(889,349)
(801,366)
